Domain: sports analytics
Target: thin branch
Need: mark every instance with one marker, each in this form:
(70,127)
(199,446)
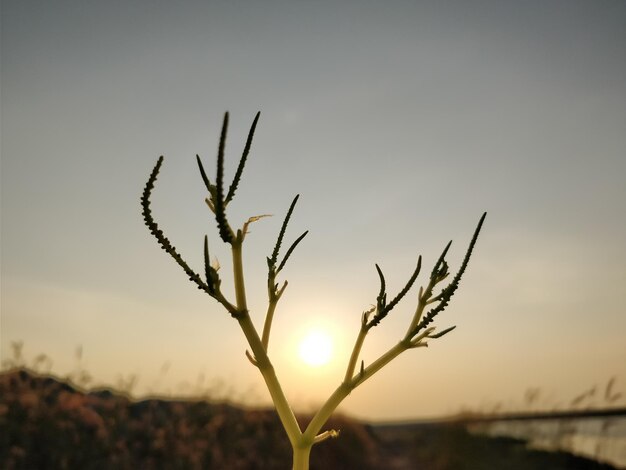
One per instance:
(331,433)
(470,249)
(274,258)
(169,248)
(441,333)
(449,290)
(273,292)
(383,309)
(226,233)
(356,351)
(407,287)
(212,278)
(290,250)
(242,161)
(381,299)
(251,359)
(207,260)
(158,233)
(437,270)
(210,188)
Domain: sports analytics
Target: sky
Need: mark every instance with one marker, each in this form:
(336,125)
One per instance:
(398,123)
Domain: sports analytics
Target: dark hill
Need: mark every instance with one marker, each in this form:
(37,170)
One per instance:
(48,424)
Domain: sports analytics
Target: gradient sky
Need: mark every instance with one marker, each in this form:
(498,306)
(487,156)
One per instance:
(398,123)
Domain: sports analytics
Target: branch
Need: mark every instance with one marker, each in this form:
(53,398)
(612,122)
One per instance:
(274,258)
(332,433)
(242,161)
(290,250)
(226,233)
(410,341)
(382,308)
(446,294)
(210,188)
(273,292)
(170,249)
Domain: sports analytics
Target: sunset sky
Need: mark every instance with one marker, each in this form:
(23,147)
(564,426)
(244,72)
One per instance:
(399,123)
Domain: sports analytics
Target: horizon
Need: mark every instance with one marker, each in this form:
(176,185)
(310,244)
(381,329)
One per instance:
(525,411)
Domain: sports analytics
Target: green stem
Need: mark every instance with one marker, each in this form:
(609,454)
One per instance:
(285,413)
(346,388)
(240,285)
(301,457)
(358,345)
(269,316)
(268,324)
(326,410)
(421,305)
(381,362)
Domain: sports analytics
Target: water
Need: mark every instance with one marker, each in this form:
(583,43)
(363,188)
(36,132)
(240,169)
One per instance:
(602,439)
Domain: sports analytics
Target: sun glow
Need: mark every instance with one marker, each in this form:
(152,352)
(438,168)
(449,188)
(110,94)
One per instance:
(316,348)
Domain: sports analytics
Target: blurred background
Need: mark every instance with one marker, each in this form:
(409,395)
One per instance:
(398,123)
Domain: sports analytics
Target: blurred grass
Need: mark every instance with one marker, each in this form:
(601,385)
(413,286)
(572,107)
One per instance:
(46,423)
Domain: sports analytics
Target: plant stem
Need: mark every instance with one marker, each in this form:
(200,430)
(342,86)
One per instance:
(421,304)
(268,323)
(285,413)
(301,457)
(355,354)
(381,362)
(346,388)
(326,410)
(240,284)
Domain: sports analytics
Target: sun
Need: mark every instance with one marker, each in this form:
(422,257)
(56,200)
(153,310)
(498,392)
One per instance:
(316,348)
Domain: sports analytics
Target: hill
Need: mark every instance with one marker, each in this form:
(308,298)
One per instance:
(46,423)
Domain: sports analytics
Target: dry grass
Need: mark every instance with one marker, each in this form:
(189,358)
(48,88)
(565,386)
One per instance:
(47,423)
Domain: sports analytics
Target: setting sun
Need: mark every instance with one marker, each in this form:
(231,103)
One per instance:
(316,348)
